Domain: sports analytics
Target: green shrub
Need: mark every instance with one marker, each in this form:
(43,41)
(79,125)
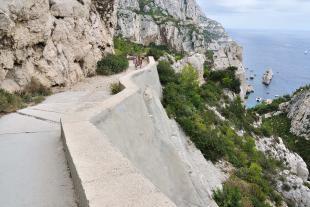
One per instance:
(116,88)
(35,88)
(9,102)
(155,52)
(178,56)
(166,73)
(125,47)
(226,78)
(211,93)
(264,108)
(230,196)
(303,88)
(112,64)
(34,92)
(185,101)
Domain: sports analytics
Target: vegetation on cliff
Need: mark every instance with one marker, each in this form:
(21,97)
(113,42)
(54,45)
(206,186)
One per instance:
(280,126)
(125,47)
(228,134)
(112,64)
(34,92)
(186,101)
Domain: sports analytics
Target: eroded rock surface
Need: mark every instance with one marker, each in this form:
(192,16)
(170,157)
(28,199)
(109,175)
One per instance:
(179,24)
(274,147)
(292,188)
(299,112)
(290,182)
(57,42)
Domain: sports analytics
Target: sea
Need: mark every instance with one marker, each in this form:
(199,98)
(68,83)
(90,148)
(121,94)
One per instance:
(287,53)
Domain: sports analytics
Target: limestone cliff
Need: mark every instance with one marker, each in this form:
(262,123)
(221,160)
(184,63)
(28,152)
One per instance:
(290,181)
(57,42)
(299,112)
(182,26)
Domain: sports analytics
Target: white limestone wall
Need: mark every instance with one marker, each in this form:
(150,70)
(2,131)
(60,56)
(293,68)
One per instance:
(135,125)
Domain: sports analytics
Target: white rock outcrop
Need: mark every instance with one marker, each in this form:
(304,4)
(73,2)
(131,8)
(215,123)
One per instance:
(57,42)
(196,60)
(292,188)
(290,182)
(275,148)
(299,113)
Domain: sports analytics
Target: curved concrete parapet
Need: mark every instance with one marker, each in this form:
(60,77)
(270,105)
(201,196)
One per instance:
(125,151)
(102,176)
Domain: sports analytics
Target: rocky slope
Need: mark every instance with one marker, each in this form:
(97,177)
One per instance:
(57,42)
(181,25)
(299,112)
(290,181)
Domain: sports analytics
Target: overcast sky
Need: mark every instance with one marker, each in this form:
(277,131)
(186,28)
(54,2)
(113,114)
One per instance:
(259,14)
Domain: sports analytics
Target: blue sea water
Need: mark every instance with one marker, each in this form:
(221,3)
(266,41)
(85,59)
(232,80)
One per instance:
(283,52)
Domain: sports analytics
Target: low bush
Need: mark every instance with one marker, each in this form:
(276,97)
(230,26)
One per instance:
(34,92)
(112,64)
(211,93)
(9,102)
(230,196)
(166,72)
(155,52)
(125,47)
(280,127)
(226,78)
(116,88)
(264,108)
(303,88)
(35,88)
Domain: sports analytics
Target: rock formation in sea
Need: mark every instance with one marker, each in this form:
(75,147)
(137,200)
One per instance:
(56,42)
(267,77)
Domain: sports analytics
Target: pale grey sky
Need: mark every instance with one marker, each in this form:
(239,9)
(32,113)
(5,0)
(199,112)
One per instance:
(259,14)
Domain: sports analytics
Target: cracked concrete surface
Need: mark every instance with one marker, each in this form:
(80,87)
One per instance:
(34,171)
(33,167)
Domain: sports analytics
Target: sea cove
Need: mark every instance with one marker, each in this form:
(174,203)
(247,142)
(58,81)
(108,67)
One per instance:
(283,52)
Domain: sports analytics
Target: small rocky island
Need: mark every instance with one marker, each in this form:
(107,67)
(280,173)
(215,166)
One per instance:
(267,77)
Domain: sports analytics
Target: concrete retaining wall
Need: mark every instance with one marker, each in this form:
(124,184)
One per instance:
(125,151)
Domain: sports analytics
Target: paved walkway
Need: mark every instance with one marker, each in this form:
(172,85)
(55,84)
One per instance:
(33,168)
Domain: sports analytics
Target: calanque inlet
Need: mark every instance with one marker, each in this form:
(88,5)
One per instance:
(139,103)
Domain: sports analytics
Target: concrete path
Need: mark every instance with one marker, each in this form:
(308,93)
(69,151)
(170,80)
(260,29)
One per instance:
(33,168)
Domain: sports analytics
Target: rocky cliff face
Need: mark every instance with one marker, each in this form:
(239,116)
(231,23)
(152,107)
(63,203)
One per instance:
(57,42)
(299,112)
(178,24)
(182,26)
(292,181)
